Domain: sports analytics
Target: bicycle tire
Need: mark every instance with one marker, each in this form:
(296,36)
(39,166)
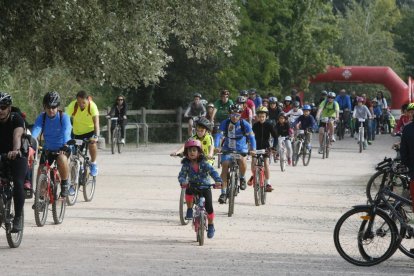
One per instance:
(183,210)
(296,153)
(373,186)
(113,141)
(201,228)
(340,130)
(262,188)
(41,202)
(327,143)
(89,185)
(13,239)
(256,187)
(282,160)
(74,182)
(324,145)
(58,205)
(362,257)
(406,246)
(306,156)
(119,144)
(232,190)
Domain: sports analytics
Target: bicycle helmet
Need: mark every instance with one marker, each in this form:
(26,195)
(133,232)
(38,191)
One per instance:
(273,100)
(252,91)
(197,95)
(360,99)
(296,104)
(210,105)
(265,100)
(262,109)
(192,143)
(410,107)
(5,99)
(224,92)
(203,122)
(282,114)
(288,98)
(241,99)
(331,95)
(243,93)
(235,108)
(324,93)
(51,99)
(306,107)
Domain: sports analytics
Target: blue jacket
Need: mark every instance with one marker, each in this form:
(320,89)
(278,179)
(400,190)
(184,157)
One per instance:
(306,122)
(200,178)
(236,140)
(377,110)
(344,102)
(56,131)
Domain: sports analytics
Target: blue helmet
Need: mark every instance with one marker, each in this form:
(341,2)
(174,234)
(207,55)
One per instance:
(306,107)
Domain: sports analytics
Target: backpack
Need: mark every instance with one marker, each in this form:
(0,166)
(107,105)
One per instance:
(75,108)
(326,101)
(243,128)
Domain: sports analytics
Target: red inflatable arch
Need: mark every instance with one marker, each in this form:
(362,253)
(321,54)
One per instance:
(401,93)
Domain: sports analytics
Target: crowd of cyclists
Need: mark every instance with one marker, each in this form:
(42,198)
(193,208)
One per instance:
(252,122)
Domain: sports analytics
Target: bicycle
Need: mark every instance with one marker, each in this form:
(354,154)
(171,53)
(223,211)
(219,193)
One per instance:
(48,192)
(282,152)
(259,187)
(116,135)
(300,148)
(233,187)
(326,141)
(375,230)
(7,204)
(361,134)
(80,177)
(341,126)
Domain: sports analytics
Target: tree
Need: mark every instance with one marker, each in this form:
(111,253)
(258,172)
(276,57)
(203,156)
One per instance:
(404,40)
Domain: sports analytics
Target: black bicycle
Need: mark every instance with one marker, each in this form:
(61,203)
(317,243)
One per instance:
(300,148)
(7,204)
(116,135)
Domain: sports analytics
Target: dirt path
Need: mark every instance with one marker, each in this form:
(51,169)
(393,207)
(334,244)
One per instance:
(132,225)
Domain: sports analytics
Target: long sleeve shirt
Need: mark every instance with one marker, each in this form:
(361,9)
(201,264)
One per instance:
(200,177)
(262,133)
(361,112)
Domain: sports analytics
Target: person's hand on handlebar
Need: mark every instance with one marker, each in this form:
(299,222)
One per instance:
(13,154)
(217,185)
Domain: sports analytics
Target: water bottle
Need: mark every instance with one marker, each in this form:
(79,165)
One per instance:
(201,202)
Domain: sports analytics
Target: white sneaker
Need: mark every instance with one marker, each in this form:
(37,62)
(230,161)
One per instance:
(333,139)
(123,141)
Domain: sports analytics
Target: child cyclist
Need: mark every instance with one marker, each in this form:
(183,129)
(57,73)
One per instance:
(284,134)
(203,129)
(306,122)
(194,176)
(263,130)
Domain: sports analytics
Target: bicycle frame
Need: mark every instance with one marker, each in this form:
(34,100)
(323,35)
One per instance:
(50,171)
(260,164)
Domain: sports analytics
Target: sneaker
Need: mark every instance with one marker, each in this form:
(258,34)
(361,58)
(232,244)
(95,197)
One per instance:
(27,185)
(320,150)
(289,162)
(123,141)
(250,182)
(309,147)
(242,183)
(64,191)
(72,190)
(210,231)
(17,225)
(333,139)
(269,188)
(189,215)
(222,199)
(94,169)
(369,142)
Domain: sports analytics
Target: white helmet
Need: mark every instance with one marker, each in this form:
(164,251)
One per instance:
(288,98)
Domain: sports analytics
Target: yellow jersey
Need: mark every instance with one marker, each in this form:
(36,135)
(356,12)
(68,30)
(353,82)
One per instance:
(206,142)
(82,121)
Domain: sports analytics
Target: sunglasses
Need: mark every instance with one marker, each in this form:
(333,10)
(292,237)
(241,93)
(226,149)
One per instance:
(51,107)
(235,115)
(4,107)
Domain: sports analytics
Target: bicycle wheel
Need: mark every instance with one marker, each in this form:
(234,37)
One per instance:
(13,239)
(74,182)
(282,160)
(306,155)
(374,184)
(262,188)
(340,130)
(183,208)
(114,141)
(296,153)
(58,205)
(363,240)
(327,143)
(201,229)
(119,144)
(41,202)
(256,187)
(360,140)
(89,185)
(232,193)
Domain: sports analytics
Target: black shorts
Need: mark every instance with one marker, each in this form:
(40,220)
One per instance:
(50,157)
(83,136)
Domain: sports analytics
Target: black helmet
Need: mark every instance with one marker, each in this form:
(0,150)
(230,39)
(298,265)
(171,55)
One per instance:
(324,93)
(197,95)
(296,104)
(204,123)
(235,108)
(252,91)
(241,99)
(51,99)
(5,99)
(244,93)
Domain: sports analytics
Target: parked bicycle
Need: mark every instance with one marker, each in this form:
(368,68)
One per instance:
(7,204)
(116,135)
(300,148)
(80,178)
(259,187)
(48,192)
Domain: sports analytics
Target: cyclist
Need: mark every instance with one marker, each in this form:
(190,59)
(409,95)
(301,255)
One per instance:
(119,110)
(377,112)
(287,104)
(203,129)
(210,113)
(307,123)
(405,119)
(322,98)
(407,151)
(361,111)
(196,171)
(255,98)
(327,109)
(222,106)
(345,107)
(247,113)
(294,113)
(85,118)
(274,110)
(237,133)
(250,104)
(263,131)
(314,110)
(295,96)
(265,102)
(284,130)
(11,131)
(56,129)
(194,109)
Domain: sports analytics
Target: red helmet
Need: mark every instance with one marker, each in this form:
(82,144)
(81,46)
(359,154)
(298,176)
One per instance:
(192,143)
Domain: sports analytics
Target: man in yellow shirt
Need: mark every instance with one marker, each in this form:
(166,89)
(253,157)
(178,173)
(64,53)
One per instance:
(85,121)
